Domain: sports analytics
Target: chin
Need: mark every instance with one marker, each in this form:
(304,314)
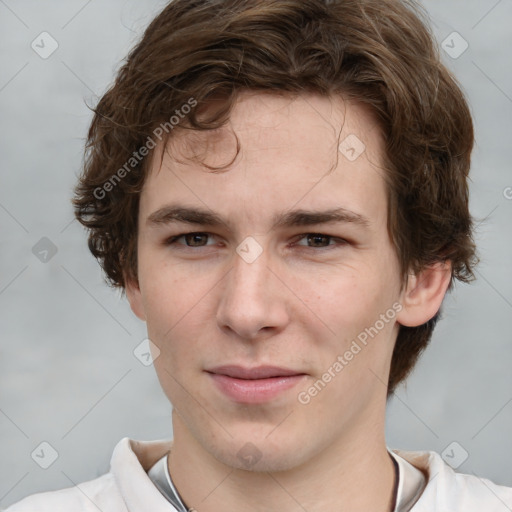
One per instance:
(259,453)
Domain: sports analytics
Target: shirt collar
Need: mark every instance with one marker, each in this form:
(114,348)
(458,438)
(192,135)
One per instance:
(129,464)
(411,484)
(132,460)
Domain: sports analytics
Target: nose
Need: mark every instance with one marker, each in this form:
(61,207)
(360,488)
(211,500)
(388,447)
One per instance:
(253,302)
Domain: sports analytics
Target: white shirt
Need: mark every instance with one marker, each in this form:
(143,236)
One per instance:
(127,487)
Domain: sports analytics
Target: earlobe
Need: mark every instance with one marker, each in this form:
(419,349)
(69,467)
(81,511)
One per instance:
(424,293)
(135,299)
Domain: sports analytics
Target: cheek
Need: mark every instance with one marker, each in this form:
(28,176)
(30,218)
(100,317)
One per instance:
(350,302)
(345,297)
(168,291)
(178,305)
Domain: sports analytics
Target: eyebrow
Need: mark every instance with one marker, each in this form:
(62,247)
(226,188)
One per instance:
(199,216)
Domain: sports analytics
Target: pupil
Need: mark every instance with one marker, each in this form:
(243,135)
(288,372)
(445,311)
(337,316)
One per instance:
(318,240)
(196,239)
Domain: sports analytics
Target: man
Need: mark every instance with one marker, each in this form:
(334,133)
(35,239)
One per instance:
(280,187)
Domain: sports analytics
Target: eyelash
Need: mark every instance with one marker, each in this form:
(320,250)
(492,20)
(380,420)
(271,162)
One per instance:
(340,241)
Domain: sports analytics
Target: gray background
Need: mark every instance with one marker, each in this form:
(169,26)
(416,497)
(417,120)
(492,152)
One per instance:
(68,373)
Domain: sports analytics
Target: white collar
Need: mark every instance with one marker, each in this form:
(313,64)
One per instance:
(446,490)
(411,483)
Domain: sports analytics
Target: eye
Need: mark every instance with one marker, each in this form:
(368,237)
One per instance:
(319,240)
(191,239)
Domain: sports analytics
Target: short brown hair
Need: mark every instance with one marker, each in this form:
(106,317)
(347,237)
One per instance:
(379,52)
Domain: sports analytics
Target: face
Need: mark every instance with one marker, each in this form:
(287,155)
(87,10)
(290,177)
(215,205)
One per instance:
(271,289)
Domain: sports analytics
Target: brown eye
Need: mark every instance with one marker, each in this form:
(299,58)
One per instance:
(196,239)
(320,241)
(317,240)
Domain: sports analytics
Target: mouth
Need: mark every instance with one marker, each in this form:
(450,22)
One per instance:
(254,385)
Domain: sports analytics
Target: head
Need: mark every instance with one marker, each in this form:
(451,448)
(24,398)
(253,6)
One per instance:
(260,113)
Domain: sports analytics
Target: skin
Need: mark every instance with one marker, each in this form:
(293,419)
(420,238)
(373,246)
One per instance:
(299,305)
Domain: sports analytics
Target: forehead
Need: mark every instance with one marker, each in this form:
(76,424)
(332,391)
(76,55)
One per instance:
(309,151)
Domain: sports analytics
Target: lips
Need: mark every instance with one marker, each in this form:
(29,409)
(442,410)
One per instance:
(259,372)
(254,385)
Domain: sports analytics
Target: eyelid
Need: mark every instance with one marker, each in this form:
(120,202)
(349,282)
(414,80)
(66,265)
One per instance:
(338,240)
(172,240)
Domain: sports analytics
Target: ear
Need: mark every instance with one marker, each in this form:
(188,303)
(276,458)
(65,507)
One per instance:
(135,298)
(423,294)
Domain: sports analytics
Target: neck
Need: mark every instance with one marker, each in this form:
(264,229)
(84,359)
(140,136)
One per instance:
(353,474)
